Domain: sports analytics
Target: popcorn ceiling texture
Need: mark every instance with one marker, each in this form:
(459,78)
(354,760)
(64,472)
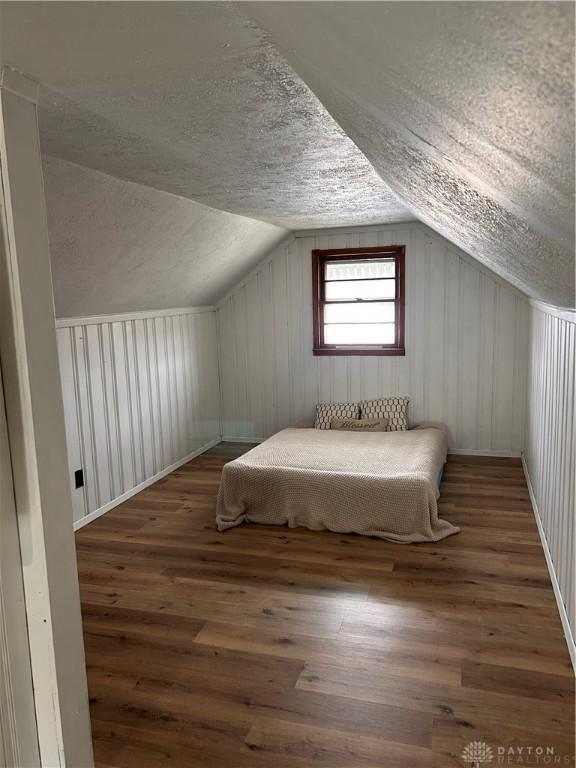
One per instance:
(189,98)
(465,109)
(304,115)
(120,247)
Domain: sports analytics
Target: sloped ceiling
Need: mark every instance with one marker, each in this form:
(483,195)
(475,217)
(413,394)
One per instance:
(321,114)
(189,98)
(117,246)
(466,110)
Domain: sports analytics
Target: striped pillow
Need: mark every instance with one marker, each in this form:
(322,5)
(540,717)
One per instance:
(395,409)
(325,412)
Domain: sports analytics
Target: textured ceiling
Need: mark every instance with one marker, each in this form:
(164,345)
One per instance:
(118,246)
(189,98)
(465,109)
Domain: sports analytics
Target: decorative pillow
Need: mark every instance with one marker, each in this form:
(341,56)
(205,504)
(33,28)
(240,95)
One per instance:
(392,408)
(360,425)
(325,412)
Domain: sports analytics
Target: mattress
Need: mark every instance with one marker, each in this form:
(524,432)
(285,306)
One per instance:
(381,484)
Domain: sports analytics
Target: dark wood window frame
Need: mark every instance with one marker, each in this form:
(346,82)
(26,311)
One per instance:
(319,259)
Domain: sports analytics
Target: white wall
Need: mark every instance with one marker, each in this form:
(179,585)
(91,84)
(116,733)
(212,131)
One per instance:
(140,396)
(550,458)
(466,344)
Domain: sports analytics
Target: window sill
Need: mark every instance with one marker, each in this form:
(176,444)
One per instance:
(327,351)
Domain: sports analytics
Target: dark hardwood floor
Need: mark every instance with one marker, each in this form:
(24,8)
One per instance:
(268,647)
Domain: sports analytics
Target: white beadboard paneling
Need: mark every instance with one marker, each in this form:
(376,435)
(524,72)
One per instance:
(125,436)
(208,404)
(72,417)
(141,395)
(86,417)
(466,344)
(550,457)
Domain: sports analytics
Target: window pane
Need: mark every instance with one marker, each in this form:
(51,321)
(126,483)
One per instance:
(380,333)
(361,289)
(360,313)
(360,270)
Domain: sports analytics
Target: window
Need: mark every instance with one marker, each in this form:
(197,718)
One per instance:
(359,301)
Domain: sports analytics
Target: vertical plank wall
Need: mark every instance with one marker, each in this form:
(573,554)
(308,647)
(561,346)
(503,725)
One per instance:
(140,396)
(550,458)
(466,344)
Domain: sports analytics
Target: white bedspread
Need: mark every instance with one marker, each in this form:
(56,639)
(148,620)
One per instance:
(380,484)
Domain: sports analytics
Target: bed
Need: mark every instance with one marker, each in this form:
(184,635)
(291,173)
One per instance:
(382,484)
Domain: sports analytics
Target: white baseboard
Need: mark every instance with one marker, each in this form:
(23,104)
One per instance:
(481,452)
(137,488)
(550,563)
(233,439)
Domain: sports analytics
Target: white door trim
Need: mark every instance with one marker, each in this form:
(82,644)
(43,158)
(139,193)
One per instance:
(18,732)
(37,441)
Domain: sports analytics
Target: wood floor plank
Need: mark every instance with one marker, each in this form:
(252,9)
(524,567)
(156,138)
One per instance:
(419,661)
(240,699)
(269,647)
(180,603)
(331,748)
(172,659)
(536,685)
(461,702)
